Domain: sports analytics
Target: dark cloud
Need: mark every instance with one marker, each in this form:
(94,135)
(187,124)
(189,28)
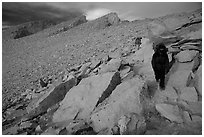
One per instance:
(130,10)
(17,13)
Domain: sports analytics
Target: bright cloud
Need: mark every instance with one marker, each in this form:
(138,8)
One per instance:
(129,15)
(96,13)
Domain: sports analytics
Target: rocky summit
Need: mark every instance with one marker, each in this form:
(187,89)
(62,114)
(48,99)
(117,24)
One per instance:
(82,77)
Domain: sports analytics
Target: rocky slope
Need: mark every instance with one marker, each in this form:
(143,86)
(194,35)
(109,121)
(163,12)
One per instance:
(26,29)
(99,80)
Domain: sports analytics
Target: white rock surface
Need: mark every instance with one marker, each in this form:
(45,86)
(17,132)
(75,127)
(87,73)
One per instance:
(136,125)
(186,117)
(169,93)
(25,125)
(186,66)
(170,112)
(147,72)
(194,108)
(38,129)
(124,71)
(94,63)
(145,53)
(189,94)
(170,57)
(195,34)
(50,131)
(197,120)
(82,99)
(122,124)
(179,79)
(124,100)
(128,76)
(186,55)
(194,121)
(111,66)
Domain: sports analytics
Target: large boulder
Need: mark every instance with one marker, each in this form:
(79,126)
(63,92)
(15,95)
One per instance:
(194,108)
(128,76)
(111,66)
(171,112)
(143,56)
(186,117)
(82,99)
(145,53)
(124,71)
(186,66)
(193,121)
(186,55)
(179,79)
(194,35)
(51,98)
(189,94)
(147,72)
(124,100)
(113,19)
(169,94)
(197,121)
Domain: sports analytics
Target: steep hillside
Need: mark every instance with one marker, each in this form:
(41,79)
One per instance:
(26,29)
(74,54)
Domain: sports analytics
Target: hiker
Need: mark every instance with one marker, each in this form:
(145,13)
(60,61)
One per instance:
(160,64)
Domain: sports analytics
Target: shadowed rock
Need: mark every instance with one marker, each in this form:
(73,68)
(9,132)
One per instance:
(124,99)
(51,98)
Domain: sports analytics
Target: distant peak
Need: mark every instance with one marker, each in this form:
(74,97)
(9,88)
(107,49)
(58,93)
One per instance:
(112,14)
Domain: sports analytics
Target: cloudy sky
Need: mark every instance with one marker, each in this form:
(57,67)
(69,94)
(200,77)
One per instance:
(16,13)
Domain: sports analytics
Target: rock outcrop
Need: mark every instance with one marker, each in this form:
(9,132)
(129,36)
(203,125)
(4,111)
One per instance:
(50,98)
(186,56)
(27,29)
(179,79)
(170,111)
(65,26)
(99,78)
(125,99)
(82,99)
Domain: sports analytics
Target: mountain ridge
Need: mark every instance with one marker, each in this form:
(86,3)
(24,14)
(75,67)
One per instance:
(50,53)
